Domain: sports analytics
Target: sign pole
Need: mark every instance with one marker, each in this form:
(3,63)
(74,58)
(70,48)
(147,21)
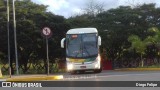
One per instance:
(47,56)
(47,33)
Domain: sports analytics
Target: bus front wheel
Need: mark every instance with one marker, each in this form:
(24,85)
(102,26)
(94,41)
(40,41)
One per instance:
(98,70)
(73,72)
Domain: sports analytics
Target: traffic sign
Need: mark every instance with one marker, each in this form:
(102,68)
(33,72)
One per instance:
(46,31)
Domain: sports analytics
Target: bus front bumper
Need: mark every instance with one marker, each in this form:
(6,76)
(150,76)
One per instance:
(87,66)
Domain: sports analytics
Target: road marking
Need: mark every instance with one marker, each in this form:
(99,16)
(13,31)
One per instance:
(73,77)
(127,75)
(96,76)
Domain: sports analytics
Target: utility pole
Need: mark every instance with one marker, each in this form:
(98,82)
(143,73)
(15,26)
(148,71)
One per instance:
(9,60)
(15,37)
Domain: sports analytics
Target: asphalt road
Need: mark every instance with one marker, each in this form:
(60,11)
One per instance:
(115,76)
(105,76)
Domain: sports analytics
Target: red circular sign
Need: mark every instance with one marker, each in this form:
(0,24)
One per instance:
(46,31)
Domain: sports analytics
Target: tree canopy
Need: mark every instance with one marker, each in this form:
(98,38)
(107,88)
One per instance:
(120,28)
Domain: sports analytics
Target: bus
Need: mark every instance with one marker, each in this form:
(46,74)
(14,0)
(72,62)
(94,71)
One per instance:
(82,50)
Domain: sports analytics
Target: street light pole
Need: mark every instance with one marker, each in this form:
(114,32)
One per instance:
(9,60)
(15,37)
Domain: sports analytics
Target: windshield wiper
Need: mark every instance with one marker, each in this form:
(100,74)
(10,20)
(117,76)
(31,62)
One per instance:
(86,50)
(80,51)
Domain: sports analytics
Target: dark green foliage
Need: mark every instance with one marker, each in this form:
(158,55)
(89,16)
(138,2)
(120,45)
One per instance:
(115,26)
(31,18)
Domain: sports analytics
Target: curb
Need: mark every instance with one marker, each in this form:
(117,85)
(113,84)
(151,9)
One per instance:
(0,73)
(138,69)
(35,78)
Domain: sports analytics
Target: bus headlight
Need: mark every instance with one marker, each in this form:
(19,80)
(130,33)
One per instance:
(99,59)
(98,62)
(69,66)
(96,65)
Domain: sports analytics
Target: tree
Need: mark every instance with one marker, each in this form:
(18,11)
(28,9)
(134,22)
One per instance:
(142,45)
(3,31)
(93,8)
(154,43)
(138,45)
(116,25)
(122,22)
(31,19)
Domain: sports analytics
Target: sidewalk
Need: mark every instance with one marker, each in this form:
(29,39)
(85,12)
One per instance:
(34,77)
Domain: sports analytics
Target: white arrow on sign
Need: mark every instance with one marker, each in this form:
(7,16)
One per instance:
(46,31)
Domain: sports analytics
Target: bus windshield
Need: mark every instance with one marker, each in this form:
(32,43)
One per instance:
(81,45)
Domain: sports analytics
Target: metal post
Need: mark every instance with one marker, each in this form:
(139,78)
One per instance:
(47,56)
(15,37)
(9,61)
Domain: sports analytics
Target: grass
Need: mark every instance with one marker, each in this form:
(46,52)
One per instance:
(4,77)
(32,70)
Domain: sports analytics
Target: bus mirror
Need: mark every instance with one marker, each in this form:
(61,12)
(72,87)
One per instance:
(99,40)
(62,43)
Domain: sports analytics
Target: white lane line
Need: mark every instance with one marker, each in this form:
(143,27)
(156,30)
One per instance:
(127,75)
(96,76)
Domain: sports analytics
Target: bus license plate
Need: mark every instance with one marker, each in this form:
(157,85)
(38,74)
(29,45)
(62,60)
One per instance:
(82,66)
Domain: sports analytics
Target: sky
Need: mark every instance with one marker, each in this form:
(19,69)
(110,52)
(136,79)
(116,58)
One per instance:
(69,8)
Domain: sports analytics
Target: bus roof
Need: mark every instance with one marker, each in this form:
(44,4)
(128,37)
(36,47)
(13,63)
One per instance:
(82,30)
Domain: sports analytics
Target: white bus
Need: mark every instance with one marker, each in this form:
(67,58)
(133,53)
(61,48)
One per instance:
(82,50)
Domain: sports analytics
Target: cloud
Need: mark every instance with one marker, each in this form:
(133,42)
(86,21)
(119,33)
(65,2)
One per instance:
(70,7)
(62,7)
(53,4)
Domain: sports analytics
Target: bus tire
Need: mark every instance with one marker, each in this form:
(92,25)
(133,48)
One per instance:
(82,71)
(73,72)
(98,70)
